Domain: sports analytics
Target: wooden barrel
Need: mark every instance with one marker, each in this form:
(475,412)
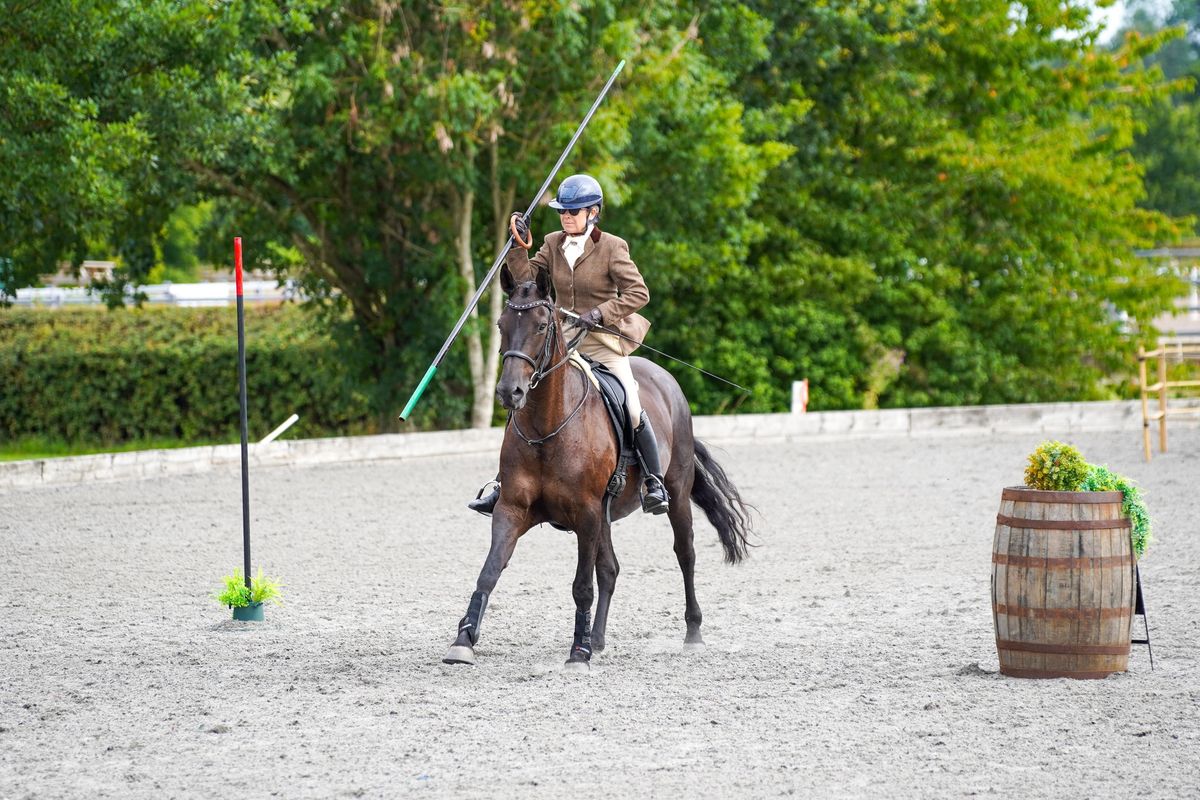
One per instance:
(1062,584)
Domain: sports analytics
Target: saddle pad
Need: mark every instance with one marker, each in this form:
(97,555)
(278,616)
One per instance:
(580,362)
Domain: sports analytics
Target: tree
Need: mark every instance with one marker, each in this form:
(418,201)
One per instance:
(909,204)
(382,135)
(94,96)
(963,195)
(1168,145)
(365,146)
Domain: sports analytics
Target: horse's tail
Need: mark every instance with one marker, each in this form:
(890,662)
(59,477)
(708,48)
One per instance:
(722,504)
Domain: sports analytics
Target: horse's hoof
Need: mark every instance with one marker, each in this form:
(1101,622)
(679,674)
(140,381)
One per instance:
(694,647)
(459,654)
(577,667)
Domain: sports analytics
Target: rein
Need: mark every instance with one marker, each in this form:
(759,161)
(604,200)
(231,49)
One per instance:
(540,370)
(512,417)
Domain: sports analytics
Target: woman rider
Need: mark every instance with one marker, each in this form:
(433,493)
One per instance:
(594,277)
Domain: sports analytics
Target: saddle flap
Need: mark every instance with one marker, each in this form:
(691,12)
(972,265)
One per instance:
(613,392)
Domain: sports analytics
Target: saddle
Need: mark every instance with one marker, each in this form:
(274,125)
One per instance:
(613,393)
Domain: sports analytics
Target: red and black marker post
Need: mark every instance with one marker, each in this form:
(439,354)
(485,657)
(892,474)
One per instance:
(241,319)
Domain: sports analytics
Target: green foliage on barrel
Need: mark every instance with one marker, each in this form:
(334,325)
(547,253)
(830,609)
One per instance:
(1101,479)
(1059,467)
(1056,467)
(91,376)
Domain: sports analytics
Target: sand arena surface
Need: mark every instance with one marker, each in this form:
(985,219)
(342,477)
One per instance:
(851,656)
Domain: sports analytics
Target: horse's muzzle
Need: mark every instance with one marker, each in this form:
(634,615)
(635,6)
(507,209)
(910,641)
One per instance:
(511,396)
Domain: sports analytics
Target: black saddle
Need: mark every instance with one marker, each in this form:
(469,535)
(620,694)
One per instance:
(613,392)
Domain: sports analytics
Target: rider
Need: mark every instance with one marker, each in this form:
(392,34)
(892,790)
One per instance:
(594,277)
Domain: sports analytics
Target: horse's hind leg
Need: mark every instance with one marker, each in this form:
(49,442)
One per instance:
(681,522)
(607,570)
(508,525)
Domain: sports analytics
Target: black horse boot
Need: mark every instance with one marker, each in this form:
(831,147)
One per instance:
(486,505)
(655,500)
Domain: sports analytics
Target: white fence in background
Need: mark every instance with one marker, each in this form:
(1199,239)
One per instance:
(175,294)
(1057,420)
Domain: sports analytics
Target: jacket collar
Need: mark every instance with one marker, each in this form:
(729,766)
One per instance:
(589,244)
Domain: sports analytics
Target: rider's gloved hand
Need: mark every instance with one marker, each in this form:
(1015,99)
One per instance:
(591,320)
(521,228)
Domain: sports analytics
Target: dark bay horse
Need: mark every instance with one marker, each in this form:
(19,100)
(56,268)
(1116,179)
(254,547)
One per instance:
(558,454)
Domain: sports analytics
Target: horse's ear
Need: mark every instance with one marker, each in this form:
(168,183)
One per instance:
(543,282)
(506,280)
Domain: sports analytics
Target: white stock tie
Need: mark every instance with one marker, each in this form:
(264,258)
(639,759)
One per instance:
(573,249)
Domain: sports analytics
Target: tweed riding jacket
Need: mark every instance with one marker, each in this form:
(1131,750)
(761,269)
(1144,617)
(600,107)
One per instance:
(604,277)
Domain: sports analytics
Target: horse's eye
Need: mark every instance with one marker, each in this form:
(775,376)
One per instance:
(542,328)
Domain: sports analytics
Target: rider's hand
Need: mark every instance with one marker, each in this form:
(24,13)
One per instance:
(591,320)
(521,227)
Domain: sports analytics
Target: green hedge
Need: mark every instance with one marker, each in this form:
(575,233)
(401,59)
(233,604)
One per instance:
(89,375)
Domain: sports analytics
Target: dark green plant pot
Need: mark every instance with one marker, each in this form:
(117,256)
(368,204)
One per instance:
(250,613)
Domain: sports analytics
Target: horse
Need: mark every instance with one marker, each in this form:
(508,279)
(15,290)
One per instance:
(558,454)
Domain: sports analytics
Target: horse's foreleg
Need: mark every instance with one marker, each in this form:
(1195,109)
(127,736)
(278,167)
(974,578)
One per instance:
(681,522)
(607,570)
(584,593)
(508,525)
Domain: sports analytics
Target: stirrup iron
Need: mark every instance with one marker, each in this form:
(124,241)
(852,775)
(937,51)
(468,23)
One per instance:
(486,505)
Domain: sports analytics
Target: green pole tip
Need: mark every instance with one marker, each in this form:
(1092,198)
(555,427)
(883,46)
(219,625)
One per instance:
(416,395)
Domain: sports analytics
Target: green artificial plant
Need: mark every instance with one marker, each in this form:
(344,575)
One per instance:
(262,589)
(1101,479)
(1056,466)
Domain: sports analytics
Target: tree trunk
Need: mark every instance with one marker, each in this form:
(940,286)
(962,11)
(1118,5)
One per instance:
(502,202)
(482,380)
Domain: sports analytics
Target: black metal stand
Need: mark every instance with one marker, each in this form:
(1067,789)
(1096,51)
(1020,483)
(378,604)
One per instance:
(1139,607)
(241,323)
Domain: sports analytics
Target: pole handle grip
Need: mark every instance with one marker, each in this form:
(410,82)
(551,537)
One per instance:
(416,395)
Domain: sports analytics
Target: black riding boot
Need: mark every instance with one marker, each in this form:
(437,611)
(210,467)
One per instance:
(655,500)
(486,505)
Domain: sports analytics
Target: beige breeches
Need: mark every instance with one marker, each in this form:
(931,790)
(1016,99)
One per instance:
(596,347)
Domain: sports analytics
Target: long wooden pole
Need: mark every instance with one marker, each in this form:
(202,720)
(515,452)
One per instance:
(491,276)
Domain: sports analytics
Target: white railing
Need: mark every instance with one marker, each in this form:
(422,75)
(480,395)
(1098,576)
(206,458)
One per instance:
(176,294)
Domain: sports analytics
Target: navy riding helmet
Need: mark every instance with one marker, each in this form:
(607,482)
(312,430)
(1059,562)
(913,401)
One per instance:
(578,191)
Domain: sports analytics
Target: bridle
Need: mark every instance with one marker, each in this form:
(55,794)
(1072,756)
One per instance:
(540,370)
(539,367)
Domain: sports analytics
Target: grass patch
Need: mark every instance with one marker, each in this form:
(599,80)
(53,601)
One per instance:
(35,447)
